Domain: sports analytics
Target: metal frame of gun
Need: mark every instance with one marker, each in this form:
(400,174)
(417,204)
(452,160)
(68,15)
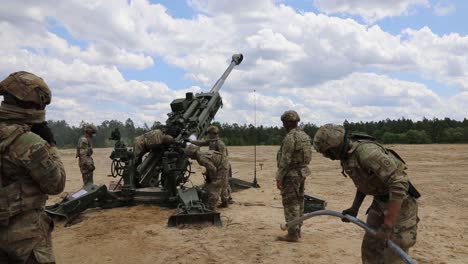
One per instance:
(160,177)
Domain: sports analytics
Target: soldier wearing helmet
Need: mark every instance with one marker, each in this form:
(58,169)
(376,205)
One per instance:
(84,153)
(380,172)
(30,169)
(151,140)
(217,169)
(215,143)
(293,159)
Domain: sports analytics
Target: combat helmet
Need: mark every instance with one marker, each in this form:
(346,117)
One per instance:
(212,129)
(290,115)
(27,88)
(90,128)
(190,150)
(328,138)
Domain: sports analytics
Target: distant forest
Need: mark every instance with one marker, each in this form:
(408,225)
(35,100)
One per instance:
(401,131)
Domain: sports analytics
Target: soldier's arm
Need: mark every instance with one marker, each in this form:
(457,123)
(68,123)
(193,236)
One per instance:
(44,164)
(385,168)
(83,147)
(284,164)
(200,143)
(208,164)
(373,158)
(222,147)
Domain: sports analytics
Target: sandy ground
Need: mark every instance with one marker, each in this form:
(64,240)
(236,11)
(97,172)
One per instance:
(139,234)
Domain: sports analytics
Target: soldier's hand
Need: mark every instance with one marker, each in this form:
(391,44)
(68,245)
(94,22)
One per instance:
(350,211)
(44,132)
(279,184)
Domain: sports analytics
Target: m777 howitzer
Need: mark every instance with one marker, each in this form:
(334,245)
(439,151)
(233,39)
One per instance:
(161,176)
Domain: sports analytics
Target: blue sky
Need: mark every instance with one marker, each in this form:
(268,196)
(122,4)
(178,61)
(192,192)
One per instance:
(366,60)
(420,17)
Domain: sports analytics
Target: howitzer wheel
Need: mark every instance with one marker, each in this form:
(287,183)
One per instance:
(117,168)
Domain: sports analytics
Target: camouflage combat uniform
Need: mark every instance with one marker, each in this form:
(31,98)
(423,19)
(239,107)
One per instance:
(144,143)
(376,171)
(293,158)
(30,169)
(84,151)
(217,169)
(218,145)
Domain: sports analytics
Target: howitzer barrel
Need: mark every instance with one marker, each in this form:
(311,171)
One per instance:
(191,109)
(236,60)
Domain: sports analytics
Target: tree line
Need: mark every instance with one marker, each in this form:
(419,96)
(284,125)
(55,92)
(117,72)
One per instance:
(400,131)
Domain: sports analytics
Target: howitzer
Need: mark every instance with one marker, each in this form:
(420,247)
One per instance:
(161,176)
(189,119)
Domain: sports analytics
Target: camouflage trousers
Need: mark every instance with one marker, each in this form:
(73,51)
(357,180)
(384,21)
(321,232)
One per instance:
(373,250)
(292,195)
(215,187)
(87,169)
(27,238)
(87,177)
(226,190)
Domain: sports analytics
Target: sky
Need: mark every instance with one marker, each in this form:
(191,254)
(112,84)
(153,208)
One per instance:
(329,60)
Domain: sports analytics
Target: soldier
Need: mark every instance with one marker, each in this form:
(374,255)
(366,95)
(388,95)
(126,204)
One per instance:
(379,172)
(148,141)
(293,158)
(30,168)
(84,152)
(215,143)
(217,168)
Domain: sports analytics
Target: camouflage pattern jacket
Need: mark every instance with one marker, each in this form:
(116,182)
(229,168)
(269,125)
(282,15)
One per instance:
(375,170)
(84,151)
(214,162)
(144,143)
(213,144)
(294,155)
(29,168)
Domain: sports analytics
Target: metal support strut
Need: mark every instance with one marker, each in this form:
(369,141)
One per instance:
(402,254)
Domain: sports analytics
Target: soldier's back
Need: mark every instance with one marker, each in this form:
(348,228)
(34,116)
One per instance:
(153,137)
(28,173)
(218,145)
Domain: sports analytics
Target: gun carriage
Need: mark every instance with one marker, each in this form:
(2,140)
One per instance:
(161,177)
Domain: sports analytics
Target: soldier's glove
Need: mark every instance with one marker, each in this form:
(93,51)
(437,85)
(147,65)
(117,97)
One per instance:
(350,211)
(44,132)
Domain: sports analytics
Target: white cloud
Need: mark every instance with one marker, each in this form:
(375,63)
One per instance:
(442,58)
(242,7)
(314,63)
(370,10)
(444,8)
(367,96)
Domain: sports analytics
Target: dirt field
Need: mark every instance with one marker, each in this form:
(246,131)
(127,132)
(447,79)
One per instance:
(139,234)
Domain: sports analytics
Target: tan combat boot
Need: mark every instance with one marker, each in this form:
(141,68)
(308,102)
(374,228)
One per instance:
(288,238)
(224,204)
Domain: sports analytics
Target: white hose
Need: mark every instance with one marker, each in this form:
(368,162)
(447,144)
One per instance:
(402,254)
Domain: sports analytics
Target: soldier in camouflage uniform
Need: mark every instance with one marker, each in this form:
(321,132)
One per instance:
(84,152)
(30,168)
(293,159)
(215,143)
(217,168)
(379,172)
(148,141)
